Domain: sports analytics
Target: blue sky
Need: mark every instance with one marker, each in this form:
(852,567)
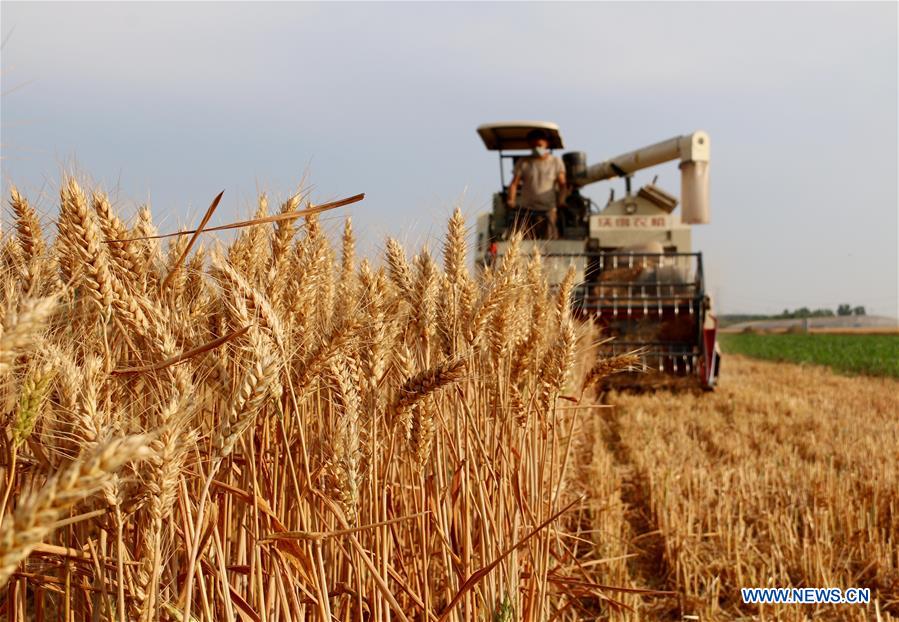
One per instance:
(172,103)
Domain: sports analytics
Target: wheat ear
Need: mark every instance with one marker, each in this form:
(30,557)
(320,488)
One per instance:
(398,268)
(19,330)
(421,385)
(33,521)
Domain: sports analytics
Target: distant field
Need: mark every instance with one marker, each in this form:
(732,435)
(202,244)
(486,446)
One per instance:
(854,353)
(844,323)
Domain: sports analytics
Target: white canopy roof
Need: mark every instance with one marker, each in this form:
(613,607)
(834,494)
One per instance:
(510,135)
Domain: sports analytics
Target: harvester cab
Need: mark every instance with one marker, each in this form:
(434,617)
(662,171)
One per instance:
(638,277)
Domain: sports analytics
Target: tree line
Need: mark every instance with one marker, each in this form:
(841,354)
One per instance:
(800,313)
(803,312)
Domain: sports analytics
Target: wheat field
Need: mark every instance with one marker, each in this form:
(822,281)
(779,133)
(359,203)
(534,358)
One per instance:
(273,430)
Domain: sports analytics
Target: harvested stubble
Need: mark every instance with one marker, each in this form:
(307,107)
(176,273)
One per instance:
(318,439)
(785,477)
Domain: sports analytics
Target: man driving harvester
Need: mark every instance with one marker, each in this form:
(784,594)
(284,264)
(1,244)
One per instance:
(542,179)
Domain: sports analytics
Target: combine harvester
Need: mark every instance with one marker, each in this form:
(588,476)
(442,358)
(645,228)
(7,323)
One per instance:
(637,275)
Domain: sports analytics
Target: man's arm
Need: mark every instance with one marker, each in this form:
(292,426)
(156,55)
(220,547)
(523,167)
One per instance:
(513,189)
(562,185)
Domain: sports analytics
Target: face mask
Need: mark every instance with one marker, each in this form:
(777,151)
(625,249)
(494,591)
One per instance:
(540,151)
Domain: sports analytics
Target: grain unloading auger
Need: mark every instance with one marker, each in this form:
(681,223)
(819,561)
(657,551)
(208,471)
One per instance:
(637,275)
